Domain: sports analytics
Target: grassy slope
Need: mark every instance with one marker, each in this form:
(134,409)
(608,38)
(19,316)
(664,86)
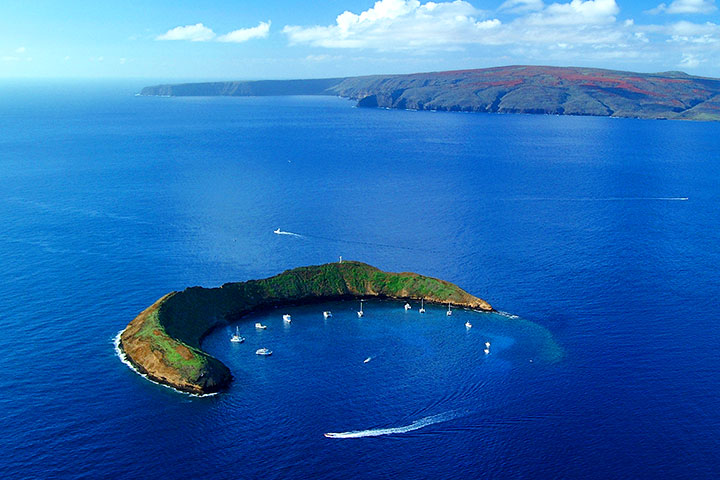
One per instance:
(164,340)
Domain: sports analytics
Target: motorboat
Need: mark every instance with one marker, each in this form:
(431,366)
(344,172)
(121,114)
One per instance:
(367,359)
(407,306)
(422,305)
(360,312)
(487,344)
(287,318)
(260,326)
(327,314)
(277,232)
(236,338)
(263,351)
(468,324)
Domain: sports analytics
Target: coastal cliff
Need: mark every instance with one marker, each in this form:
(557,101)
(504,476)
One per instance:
(164,341)
(511,89)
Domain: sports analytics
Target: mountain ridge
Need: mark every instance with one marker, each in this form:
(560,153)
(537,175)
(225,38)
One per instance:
(510,89)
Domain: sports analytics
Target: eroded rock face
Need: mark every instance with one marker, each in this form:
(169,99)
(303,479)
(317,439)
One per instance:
(163,342)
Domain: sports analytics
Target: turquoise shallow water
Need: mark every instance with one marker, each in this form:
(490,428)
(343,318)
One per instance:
(110,201)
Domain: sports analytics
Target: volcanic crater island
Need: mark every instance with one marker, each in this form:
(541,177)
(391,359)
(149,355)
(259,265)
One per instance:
(164,341)
(512,89)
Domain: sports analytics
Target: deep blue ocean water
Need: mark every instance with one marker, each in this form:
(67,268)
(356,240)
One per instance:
(108,201)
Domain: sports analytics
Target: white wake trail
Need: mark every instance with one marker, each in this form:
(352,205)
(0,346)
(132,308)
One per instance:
(280,232)
(376,432)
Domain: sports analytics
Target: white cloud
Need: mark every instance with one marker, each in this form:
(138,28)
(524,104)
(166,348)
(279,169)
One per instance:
(577,12)
(20,50)
(689,60)
(244,34)
(409,25)
(322,58)
(9,58)
(123,61)
(685,6)
(519,6)
(193,33)
(398,25)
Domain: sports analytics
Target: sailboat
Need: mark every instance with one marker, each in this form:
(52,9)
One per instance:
(422,305)
(287,318)
(449,312)
(360,312)
(468,324)
(407,306)
(327,314)
(237,338)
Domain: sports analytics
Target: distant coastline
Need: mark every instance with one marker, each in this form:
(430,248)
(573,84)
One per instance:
(512,89)
(163,341)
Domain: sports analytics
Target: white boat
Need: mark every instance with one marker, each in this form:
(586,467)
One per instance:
(487,344)
(422,305)
(237,338)
(277,232)
(327,314)
(407,306)
(263,351)
(487,351)
(468,324)
(260,326)
(287,318)
(360,312)
(449,312)
(367,359)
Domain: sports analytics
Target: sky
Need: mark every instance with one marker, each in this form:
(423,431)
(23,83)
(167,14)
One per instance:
(233,40)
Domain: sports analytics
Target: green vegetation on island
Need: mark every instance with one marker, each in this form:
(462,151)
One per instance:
(512,89)
(164,341)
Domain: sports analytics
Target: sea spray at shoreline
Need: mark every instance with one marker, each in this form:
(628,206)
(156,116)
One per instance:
(123,358)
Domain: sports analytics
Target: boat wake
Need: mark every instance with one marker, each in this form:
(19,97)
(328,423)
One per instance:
(376,432)
(600,199)
(280,232)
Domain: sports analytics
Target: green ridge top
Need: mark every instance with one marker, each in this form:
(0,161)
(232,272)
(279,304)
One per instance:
(163,342)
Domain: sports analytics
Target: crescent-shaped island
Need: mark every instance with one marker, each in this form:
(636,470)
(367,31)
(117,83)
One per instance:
(164,341)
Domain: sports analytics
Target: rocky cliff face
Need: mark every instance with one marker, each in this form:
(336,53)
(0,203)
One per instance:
(164,341)
(543,90)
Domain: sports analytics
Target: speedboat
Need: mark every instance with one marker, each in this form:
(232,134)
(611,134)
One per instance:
(277,231)
(263,351)
(237,338)
(260,326)
(449,311)
(407,306)
(287,318)
(487,344)
(367,359)
(327,314)
(487,351)
(360,312)
(468,324)
(422,305)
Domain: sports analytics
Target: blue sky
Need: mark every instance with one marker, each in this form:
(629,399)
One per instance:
(226,39)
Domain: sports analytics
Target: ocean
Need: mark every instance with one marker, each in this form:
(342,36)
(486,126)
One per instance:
(603,233)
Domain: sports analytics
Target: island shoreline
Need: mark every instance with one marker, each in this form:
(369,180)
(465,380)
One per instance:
(164,342)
